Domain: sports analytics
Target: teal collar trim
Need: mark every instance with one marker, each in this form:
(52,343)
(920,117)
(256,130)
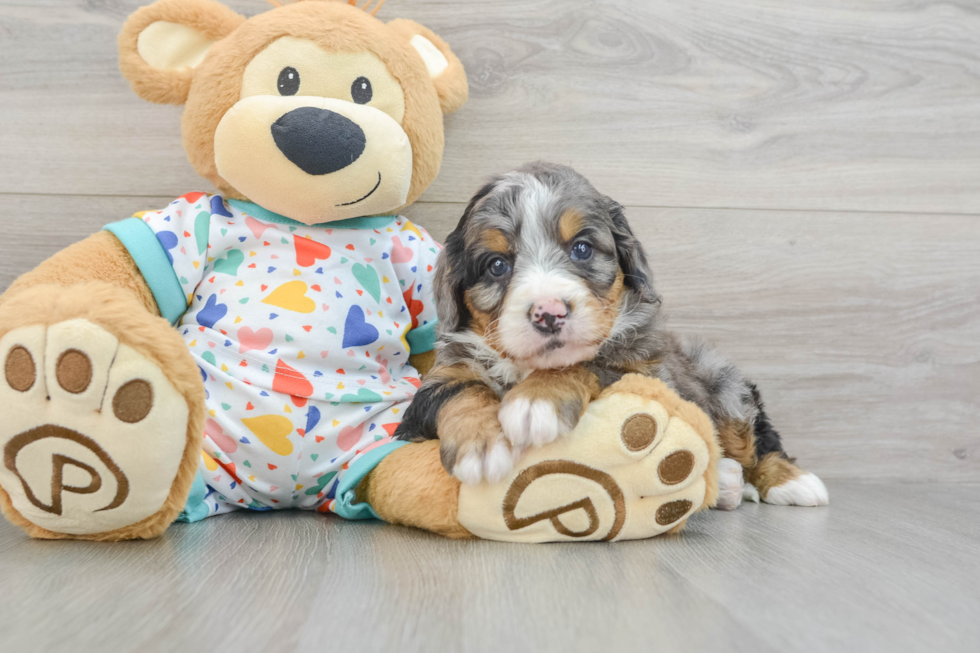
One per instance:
(367,222)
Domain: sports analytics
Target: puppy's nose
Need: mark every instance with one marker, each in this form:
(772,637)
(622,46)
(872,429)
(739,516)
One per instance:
(318,141)
(548,316)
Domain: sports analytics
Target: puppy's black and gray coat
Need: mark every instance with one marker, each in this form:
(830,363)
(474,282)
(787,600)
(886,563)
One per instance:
(545,297)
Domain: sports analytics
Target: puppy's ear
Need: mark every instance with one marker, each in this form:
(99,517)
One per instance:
(161,45)
(453,270)
(629,251)
(444,67)
(448,284)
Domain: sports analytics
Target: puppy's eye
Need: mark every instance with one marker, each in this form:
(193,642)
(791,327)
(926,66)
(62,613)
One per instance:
(499,267)
(288,81)
(361,91)
(581,251)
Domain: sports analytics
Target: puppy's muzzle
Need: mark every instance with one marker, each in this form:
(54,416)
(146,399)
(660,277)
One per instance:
(549,316)
(318,141)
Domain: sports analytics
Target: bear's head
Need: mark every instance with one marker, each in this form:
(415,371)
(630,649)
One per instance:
(315,110)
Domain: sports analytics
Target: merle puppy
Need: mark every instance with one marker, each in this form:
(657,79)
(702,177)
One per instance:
(544,298)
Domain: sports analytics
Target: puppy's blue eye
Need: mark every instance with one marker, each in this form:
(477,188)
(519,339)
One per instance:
(581,251)
(499,267)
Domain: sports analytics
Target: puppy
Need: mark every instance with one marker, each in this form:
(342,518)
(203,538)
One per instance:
(544,298)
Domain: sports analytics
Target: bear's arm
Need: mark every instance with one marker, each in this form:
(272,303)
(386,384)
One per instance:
(100,257)
(423,362)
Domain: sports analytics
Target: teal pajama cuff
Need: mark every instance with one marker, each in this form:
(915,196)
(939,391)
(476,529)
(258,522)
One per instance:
(345,496)
(196,509)
(153,263)
(347,488)
(423,338)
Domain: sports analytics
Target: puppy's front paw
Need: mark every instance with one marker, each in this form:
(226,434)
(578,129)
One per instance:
(479,454)
(528,422)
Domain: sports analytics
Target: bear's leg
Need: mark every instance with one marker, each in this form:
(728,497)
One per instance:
(639,463)
(410,487)
(101,404)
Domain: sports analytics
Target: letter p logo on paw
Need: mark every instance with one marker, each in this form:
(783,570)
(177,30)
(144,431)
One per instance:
(41,462)
(637,465)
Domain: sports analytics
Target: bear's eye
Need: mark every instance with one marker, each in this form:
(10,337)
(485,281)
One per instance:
(361,91)
(288,81)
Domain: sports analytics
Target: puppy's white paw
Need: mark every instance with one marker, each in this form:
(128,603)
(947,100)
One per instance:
(750,493)
(469,469)
(498,462)
(804,490)
(730,484)
(492,465)
(530,423)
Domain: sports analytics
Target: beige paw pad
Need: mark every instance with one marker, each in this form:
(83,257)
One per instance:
(92,434)
(634,467)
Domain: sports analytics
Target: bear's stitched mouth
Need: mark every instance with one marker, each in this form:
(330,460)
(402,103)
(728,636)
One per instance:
(370,193)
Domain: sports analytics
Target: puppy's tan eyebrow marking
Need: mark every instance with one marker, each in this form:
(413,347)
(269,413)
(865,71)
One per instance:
(569,224)
(495,240)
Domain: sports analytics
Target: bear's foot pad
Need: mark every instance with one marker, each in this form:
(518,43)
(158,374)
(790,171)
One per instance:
(632,468)
(93,432)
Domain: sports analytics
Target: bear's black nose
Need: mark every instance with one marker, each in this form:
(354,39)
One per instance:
(318,141)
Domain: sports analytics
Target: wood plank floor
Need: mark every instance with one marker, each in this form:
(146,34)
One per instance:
(887,568)
(806,179)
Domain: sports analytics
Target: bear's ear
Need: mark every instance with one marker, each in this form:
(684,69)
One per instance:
(162,43)
(444,67)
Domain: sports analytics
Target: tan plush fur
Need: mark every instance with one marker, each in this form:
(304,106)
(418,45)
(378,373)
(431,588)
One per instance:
(100,257)
(334,27)
(210,18)
(451,85)
(98,281)
(423,362)
(410,487)
(91,281)
(655,389)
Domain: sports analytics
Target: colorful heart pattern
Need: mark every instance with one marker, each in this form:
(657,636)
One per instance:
(272,431)
(292,297)
(309,251)
(302,336)
(367,276)
(230,263)
(211,313)
(357,332)
(254,340)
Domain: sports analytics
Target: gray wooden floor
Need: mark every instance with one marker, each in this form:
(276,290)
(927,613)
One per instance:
(806,178)
(887,568)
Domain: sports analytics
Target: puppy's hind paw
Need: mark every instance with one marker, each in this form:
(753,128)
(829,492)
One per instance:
(804,490)
(731,485)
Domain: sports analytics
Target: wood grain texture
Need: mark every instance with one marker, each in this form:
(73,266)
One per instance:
(847,105)
(885,567)
(863,331)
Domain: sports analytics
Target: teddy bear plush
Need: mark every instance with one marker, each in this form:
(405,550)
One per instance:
(255,348)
